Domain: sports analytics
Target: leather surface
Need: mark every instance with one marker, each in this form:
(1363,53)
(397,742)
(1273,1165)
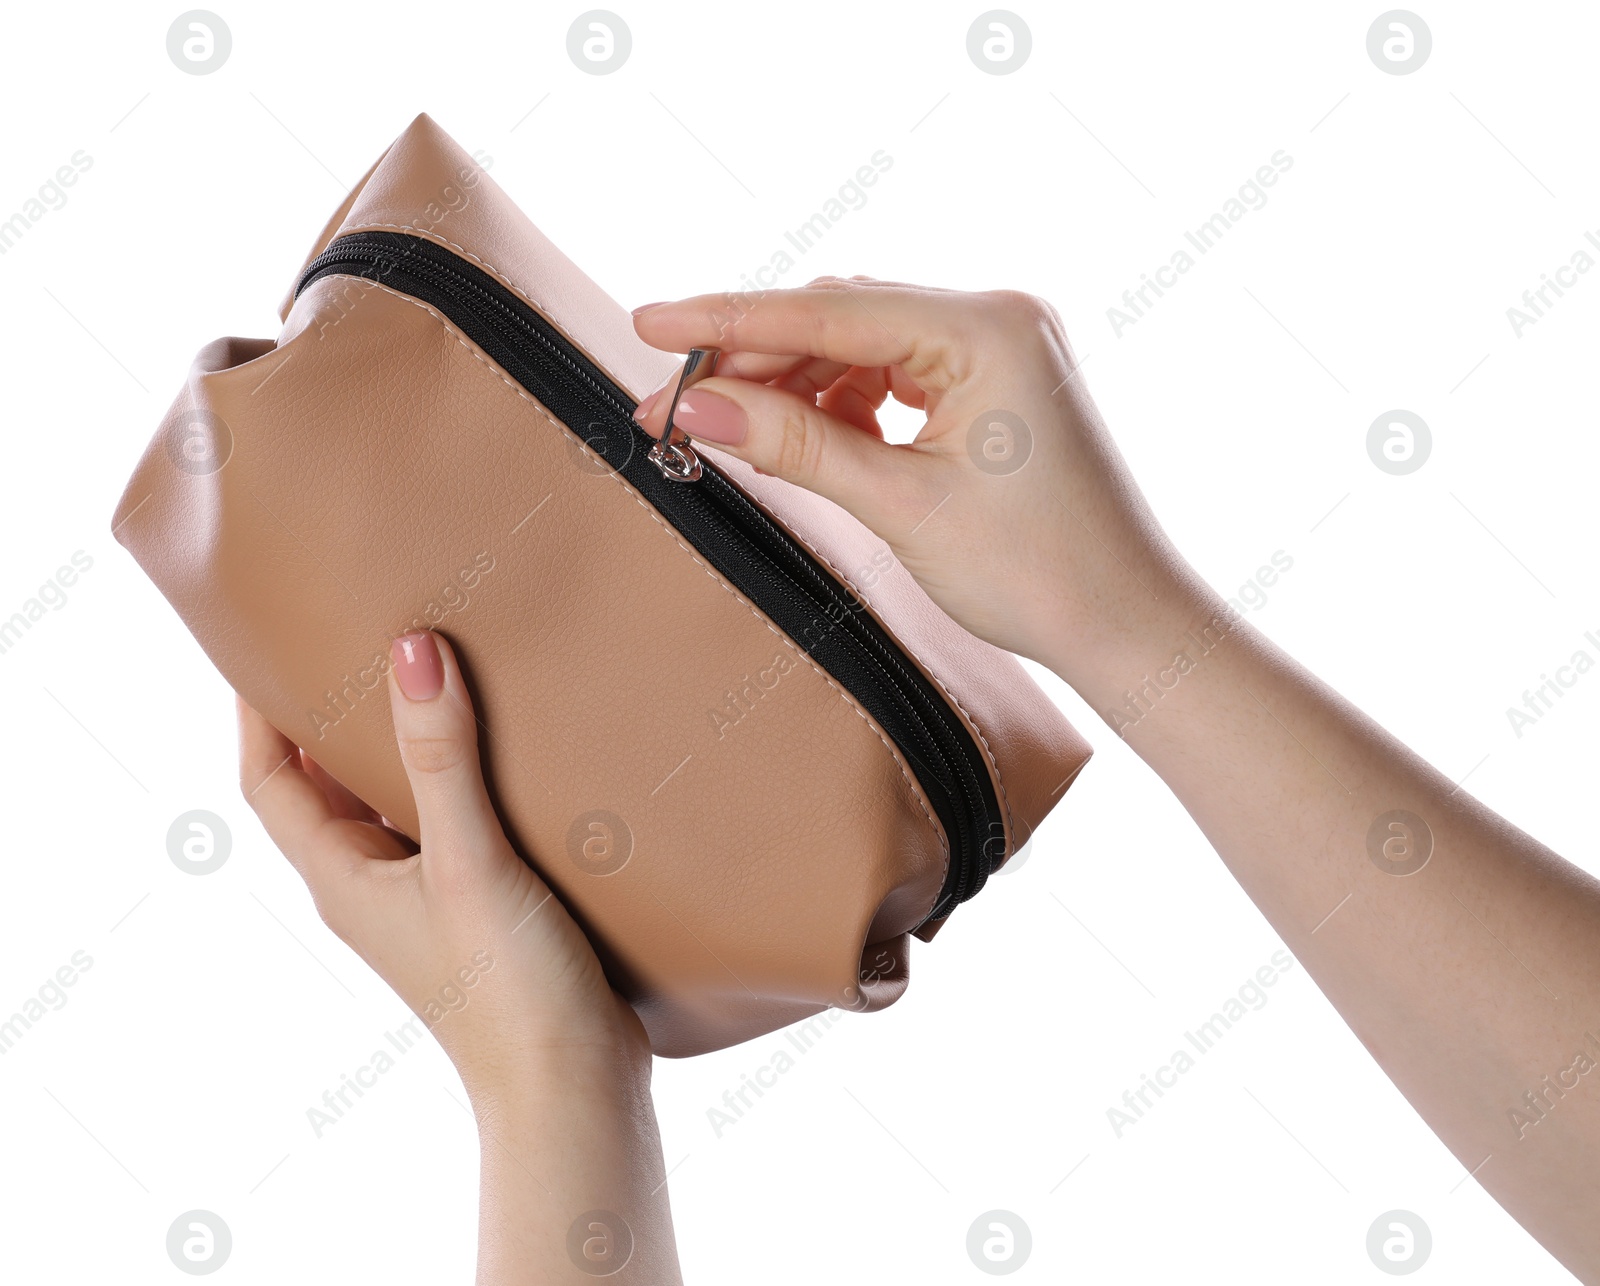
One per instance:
(373,471)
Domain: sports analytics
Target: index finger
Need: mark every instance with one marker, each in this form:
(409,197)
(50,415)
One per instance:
(293,809)
(921,331)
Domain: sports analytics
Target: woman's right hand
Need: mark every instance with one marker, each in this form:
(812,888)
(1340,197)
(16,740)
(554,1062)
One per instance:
(1060,559)
(1012,508)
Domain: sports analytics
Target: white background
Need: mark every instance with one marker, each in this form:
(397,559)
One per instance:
(218,1009)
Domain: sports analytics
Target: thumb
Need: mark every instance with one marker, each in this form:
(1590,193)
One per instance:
(790,437)
(437,734)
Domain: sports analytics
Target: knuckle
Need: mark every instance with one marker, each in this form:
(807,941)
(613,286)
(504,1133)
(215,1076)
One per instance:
(1020,308)
(819,324)
(1026,319)
(344,903)
(728,315)
(453,871)
(335,918)
(428,755)
(1011,302)
(797,452)
(331,909)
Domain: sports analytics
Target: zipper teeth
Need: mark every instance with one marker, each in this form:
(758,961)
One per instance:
(970,878)
(867,641)
(721,497)
(870,647)
(377,255)
(865,645)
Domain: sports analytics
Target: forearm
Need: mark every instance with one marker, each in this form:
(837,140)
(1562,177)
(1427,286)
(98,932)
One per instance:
(573,1182)
(1471,979)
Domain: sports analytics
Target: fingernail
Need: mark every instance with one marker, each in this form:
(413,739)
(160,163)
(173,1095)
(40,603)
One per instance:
(646,307)
(704,414)
(418,668)
(652,398)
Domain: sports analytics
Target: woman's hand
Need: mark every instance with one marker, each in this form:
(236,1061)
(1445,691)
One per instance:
(1012,507)
(1469,979)
(556,1064)
(464,931)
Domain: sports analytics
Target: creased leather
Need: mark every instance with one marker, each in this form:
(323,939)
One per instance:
(372,471)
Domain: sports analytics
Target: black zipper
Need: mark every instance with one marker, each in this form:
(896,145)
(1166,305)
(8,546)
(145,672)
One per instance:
(767,565)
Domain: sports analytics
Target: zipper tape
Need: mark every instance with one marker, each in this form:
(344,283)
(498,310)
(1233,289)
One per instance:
(735,535)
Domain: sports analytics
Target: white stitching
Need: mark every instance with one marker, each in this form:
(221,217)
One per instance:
(999,781)
(716,576)
(460,250)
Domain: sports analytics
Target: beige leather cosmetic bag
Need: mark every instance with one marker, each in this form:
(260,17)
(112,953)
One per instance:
(728,729)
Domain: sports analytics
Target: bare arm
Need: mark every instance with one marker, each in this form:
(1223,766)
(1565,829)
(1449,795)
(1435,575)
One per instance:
(572,1180)
(1461,952)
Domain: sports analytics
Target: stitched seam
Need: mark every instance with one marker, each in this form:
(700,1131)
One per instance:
(994,765)
(716,577)
(465,254)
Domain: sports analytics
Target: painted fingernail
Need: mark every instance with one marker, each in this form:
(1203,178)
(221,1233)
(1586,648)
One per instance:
(646,406)
(652,398)
(646,307)
(703,414)
(418,667)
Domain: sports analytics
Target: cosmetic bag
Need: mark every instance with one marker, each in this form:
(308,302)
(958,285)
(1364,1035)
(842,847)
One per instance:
(732,734)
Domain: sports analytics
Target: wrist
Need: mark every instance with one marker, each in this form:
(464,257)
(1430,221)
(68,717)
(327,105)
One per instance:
(1130,644)
(1095,632)
(522,1085)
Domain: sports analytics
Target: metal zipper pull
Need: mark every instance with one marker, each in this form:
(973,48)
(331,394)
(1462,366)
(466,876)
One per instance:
(675,457)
